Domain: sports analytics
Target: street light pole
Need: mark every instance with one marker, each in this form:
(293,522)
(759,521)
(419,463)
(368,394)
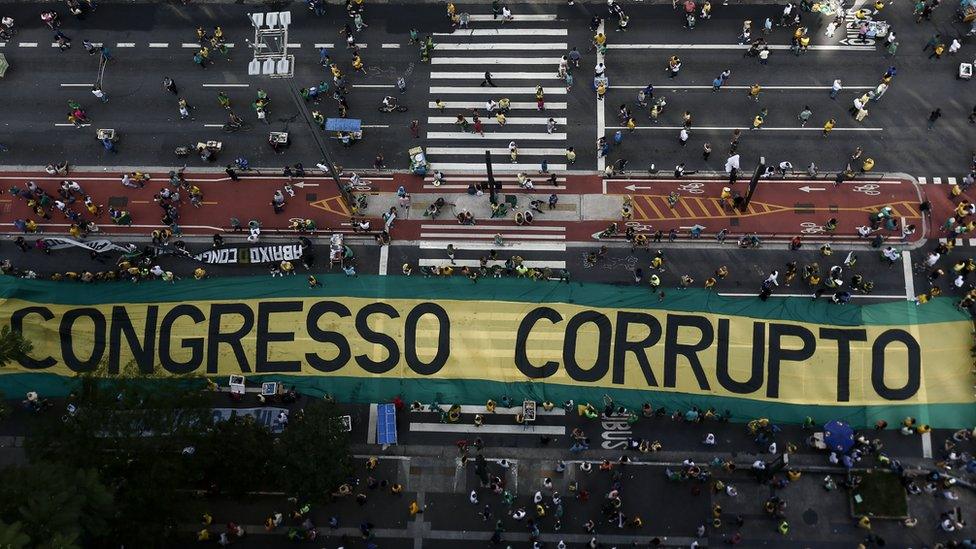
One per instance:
(491,179)
(271,58)
(753,183)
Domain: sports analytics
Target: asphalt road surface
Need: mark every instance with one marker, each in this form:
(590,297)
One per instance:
(154,40)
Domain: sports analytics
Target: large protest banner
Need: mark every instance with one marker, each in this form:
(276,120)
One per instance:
(371,338)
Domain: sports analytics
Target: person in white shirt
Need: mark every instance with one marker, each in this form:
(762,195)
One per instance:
(773,278)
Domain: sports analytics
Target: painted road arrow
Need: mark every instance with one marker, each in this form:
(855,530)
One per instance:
(635,187)
(302,185)
(807,188)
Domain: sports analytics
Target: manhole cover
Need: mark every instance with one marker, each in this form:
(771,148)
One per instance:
(810,517)
(118,201)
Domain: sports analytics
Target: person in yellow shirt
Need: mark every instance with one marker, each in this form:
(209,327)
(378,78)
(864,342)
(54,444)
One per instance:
(599,40)
(357,63)
(754,92)
(828,126)
(199,273)
(601,91)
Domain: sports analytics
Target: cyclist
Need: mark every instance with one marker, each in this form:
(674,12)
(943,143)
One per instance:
(223,100)
(389,103)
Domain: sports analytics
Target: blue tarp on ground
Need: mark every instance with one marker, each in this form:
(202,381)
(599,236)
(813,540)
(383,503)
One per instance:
(386,431)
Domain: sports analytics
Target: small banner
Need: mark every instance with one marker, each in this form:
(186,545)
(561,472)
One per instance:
(99,246)
(257,254)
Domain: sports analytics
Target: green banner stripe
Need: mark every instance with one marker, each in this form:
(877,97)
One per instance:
(820,311)
(456,391)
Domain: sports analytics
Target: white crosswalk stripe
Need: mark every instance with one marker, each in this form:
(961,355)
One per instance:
(516,240)
(454,61)
(515,105)
(529,50)
(540,120)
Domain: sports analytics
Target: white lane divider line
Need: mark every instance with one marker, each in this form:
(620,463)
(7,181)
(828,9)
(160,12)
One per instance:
(390,46)
(159,44)
(125,45)
(28,44)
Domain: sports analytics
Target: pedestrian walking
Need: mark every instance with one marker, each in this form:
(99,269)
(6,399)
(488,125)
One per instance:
(570,155)
(89,47)
(934,41)
(487,80)
(879,91)
(805,115)
(415,128)
(513,151)
(933,117)
(683,137)
(892,49)
(97,92)
(674,65)
(706,151)
(754,91)
(759,119)
(835,88)
(169,85)
(828,126)
(955,46)
(937,51)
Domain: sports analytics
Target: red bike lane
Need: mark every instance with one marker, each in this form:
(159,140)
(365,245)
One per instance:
(315,197)
(778,208)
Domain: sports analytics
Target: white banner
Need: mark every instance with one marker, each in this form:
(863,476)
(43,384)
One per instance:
(60,243)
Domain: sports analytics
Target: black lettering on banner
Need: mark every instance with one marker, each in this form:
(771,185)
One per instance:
(17,325)
(777,354)
(443,338)
(914,365)
(215,337)
(521,341)
(602,364)
(325,336)
(377,338)
(672,348)
(755,381)
(194,344)
(143,353)
(66,331)
(844,339)
(621,346)
(264,337)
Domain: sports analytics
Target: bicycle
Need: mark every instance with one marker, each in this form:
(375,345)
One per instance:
(231,127)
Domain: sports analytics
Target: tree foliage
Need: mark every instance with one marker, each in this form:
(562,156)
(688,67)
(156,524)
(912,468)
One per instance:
(313,452)
(55,504)
(236,456)
(13,346)
(133,433)
(124,465)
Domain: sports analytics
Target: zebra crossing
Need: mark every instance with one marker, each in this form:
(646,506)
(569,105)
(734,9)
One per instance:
(937,180)
(426,419)
(528,53)
(509,182)
(519,240)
